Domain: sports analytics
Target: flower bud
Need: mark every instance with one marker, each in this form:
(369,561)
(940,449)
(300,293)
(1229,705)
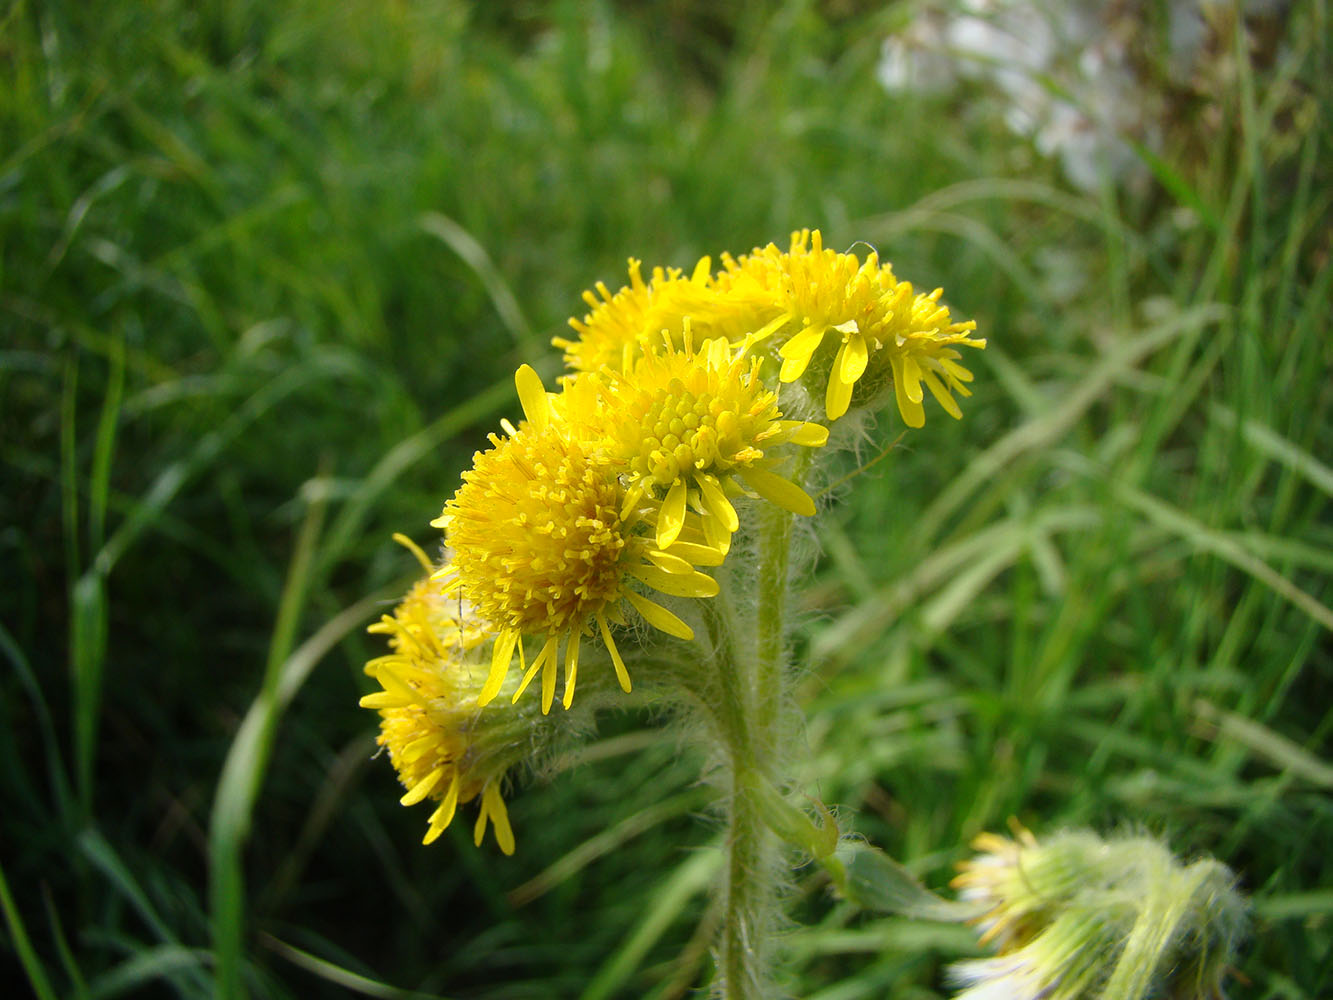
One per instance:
(1079,916)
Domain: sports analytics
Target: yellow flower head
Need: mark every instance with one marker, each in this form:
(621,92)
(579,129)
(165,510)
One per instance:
(683,425)
(883,330)
(623,326)
(545,541)
(430,720)
(619,325)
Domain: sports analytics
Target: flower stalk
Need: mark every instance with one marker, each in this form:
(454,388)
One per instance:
(751,882)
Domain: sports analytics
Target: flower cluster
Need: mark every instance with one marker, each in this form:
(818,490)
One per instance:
(614,495)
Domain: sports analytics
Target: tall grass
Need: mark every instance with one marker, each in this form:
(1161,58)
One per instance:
(265,271)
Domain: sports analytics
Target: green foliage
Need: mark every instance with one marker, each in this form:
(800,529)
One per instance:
(265,273)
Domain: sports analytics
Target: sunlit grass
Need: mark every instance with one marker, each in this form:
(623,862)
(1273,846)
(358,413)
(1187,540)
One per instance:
(264,275)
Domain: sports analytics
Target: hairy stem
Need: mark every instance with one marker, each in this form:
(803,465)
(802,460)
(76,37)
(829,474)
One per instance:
(775,539)
(774,559)
(750,874)
(750,670)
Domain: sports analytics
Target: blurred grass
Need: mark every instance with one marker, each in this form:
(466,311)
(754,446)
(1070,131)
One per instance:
(265,273)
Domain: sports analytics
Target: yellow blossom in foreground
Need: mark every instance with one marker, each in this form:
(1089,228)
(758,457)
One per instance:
(429,715)
(880,326)
(545,542)
(684,426)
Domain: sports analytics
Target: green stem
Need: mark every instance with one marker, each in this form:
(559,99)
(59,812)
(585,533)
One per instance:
(775,530)
(749,717)
(749,874)
(774,556)
(752,903)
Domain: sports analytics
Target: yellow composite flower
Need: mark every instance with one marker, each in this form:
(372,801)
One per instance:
(429,712)
(882,328)
(683,426)
(623,325)
(545,542)
(619,324)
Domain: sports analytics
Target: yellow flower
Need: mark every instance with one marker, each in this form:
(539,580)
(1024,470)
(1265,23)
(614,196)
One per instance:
(545,541)
(683,426)
(430,719)
(882,328)
(613,333)
(623,325)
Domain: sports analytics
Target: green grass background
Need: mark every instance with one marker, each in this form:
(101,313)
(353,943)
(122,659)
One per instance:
(266,270)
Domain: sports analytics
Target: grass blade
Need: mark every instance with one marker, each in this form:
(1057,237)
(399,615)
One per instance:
(18,934)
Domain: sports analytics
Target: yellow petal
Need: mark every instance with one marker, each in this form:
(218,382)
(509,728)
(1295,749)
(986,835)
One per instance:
(444,815)
(912,378)
(479,827)
(717,352)
(396,691)
(671,518)
(493,804)
(501,655)
(693,585)
(659,617)
(669,563)
(716,501)
(571,668)
(853,359)
(547,652)
(632,497)
(622,674)
(802,345)
(698,555)
(789,372)
(807,433)
(716,535)
(415,549)
(532,396)
(914,415)
(782,492)
(838,396)
(954,370)
(768,329)
(422,788)
(548,679)
(418,748)
(942,395)
(384,699)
